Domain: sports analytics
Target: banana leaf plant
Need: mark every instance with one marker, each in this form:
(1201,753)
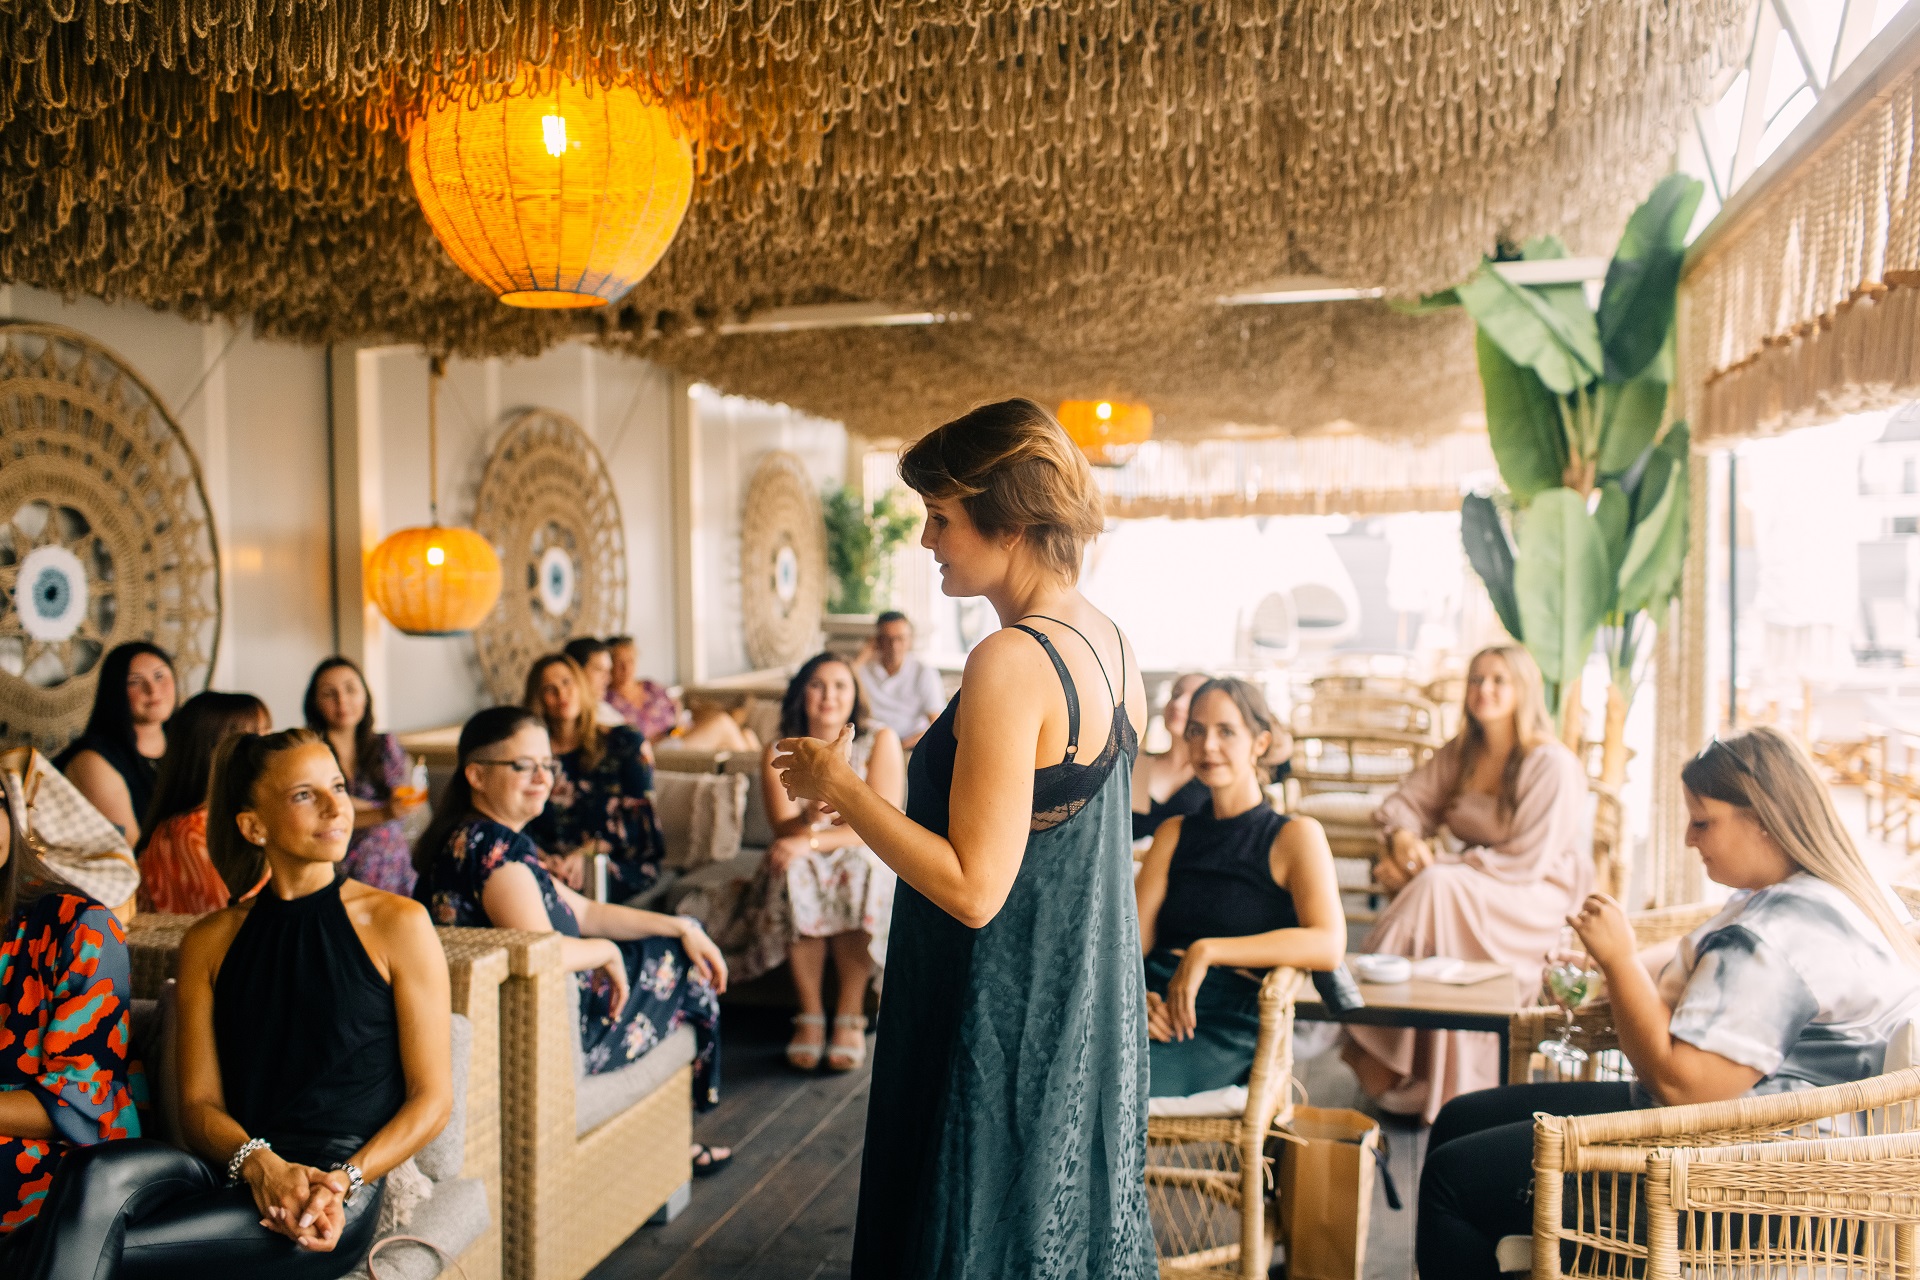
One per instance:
(860,545)
(1596,479)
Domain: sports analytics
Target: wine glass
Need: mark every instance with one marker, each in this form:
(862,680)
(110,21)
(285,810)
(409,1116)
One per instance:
(1568,979)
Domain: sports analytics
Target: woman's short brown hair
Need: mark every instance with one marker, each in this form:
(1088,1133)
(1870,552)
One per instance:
(1013,469)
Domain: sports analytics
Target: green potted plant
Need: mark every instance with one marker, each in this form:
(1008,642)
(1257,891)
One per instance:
(860,544)
(1596,478)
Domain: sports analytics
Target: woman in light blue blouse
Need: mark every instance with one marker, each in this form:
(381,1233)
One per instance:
(1800,981)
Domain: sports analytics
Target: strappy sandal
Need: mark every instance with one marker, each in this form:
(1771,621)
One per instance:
(842,1057)
(707,1162)
(806,1057)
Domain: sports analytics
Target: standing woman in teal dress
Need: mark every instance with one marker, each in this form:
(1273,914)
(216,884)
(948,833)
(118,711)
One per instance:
(1006,1128)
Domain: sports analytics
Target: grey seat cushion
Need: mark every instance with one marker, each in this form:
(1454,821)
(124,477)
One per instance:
(452,1220)
(441,1159)
(598,1099)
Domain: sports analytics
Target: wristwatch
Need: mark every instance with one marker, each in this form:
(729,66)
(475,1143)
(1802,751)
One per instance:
(354,1180)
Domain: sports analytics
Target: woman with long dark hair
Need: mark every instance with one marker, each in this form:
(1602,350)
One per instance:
(314,1053)
(1800,981)
(1006,1127)
(338,707)
(115,760)
(820,889)
(640,974)
(602,799)
(64,1083)
(176,873)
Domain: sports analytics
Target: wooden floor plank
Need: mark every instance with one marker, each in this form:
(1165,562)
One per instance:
(785,1209)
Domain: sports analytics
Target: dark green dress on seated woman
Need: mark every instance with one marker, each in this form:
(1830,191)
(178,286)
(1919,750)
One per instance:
(1219,885)
(1006,1130)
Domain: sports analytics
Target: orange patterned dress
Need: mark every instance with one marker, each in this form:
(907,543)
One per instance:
(176,876)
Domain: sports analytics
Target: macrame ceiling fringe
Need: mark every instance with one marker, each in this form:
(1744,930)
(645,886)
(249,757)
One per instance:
(1083,177)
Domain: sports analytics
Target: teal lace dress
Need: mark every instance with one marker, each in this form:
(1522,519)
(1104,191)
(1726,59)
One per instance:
(1007,1126)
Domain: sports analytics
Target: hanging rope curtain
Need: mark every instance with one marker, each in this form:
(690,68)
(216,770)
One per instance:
(1082,177)
(1305,475)
(1804,305)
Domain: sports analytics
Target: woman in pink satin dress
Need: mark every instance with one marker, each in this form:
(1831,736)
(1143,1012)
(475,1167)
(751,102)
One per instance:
(1514,800)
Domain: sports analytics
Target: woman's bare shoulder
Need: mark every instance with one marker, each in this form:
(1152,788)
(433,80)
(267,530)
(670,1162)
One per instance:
(210,935)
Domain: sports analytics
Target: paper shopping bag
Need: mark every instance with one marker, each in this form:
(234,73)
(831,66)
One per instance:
(1326,1192)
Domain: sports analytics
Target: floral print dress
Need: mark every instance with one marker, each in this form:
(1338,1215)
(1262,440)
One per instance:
(65,986)
(379,855)
(610,803)
(653,714)
(665,992)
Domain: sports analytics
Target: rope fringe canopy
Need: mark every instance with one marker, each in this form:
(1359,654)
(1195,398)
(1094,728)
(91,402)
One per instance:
(1082,178)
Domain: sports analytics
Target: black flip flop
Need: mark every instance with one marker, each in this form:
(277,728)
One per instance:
(706,1164)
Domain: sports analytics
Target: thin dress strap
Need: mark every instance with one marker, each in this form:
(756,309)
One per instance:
(1090,649)
(1066,683)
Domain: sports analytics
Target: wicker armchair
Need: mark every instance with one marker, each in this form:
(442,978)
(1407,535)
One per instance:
(1821,1182)
(1207,1176)
(477,965)
(573,1196)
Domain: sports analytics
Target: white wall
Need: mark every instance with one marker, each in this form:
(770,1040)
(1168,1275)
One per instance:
(731,436)
(255,414)
(622,404)
(295,443)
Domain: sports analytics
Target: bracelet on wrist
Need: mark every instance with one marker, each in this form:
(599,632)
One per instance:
(239,1158)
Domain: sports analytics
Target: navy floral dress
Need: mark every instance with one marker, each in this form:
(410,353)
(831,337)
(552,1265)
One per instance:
(611,802)
(665,990)
(65,986)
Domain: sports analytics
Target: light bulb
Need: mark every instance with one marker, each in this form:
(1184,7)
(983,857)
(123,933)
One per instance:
(553,130)
(436,556)
(1103,411)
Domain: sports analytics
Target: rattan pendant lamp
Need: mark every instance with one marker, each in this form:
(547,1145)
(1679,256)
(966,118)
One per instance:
(434,580)
(1109,432)
(555,192)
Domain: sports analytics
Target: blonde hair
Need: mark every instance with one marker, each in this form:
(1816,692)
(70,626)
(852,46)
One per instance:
(1014,470)
(1532,725)
(1765,772)
(586,724)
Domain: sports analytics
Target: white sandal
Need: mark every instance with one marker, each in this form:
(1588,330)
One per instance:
(806,1057)
(845,1057)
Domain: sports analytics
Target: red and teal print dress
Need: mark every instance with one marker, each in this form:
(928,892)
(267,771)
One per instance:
(64,998)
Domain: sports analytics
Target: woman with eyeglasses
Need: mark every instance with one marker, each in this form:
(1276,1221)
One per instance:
(641,974)
(1800,981)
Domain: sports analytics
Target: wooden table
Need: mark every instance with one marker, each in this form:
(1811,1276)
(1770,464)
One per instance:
(1430,1006)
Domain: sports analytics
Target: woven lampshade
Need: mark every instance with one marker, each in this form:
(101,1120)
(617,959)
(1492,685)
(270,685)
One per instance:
(1107,431)
(558,193)
(433,580)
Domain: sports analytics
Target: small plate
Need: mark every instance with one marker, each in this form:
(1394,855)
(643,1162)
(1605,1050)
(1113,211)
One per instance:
(1382,970)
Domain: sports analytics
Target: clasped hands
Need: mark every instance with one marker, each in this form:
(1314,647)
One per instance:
(304,1204)
(1176,1016)
(1405,856)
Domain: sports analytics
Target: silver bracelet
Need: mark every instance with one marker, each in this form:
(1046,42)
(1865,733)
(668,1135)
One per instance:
(239,1159)
(355,1179)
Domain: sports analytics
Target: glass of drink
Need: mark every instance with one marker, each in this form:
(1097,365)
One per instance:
(1568,979)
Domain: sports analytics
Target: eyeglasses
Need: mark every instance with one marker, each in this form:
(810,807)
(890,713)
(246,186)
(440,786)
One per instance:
(1716,743)
(524,764)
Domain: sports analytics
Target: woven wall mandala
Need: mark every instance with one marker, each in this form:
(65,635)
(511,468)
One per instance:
(783,563)
(547,505)
(105,535)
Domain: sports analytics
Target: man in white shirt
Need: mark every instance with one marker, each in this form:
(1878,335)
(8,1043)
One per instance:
(903,691)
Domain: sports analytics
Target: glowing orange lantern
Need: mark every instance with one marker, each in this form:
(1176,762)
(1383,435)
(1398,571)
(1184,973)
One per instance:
(432,580)
(1107,431)
(558,193)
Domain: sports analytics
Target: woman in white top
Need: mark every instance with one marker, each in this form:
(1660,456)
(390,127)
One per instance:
(1800,981)
(820,888)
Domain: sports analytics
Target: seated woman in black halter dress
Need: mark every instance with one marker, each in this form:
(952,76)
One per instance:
(1232,888)
(315,1055)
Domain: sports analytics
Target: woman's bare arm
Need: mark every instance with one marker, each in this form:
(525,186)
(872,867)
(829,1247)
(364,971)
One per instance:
(417,969)
(105,790)
(512,901)
(1302,864)
(1150,883)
